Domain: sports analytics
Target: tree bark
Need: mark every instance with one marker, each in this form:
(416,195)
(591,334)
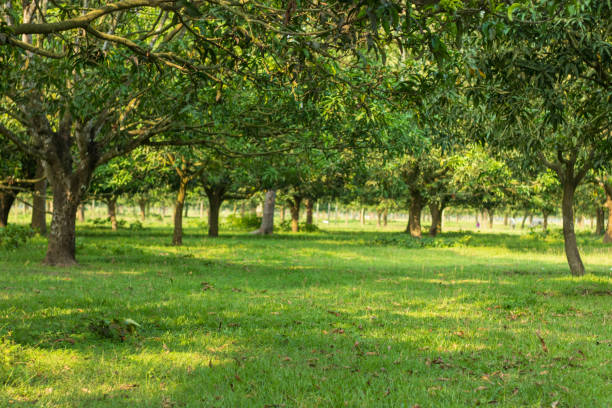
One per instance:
(112,212)
(309,203)
(362,216)
(61,248)
(436,220)
(39,198)
(385,216)
(282,214)
(524,219)
(608,235)
(545,221)
(569,236)
(505,219)
(414,216)
(177,236)
(600,220)
(7,198)
(294,208)
(142,205)
(186,206)
(491,214)
(267,219)
(214,204)
(81,213)
(378,218)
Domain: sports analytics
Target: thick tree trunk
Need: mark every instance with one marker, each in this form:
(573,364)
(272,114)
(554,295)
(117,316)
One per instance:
(294,208)
(7,198)
(177,236)
(214,204)
(142,205)
(61,245)
(267,219)
(436,220)
(569,236)
(309,203)
(414,216)
(112,212)
(608,235)
(39,198)
(505,219)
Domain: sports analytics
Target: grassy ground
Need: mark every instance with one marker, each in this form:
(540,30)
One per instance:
(332,319)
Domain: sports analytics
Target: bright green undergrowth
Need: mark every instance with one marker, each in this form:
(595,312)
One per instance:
(334,318)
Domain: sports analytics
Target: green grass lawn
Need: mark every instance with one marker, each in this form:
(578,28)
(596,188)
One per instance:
(337,318)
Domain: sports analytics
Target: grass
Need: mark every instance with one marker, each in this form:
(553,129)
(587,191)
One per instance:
(326,319)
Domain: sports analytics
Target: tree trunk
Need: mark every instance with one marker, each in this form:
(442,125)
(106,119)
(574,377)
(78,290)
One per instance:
(267,219)
(436,220)
(600,220)
(294,208)
(385,214)
(282,214)
(362,216)
(491,218)
(142,204)
(177,236)
(39,198)
(214,204)
(202,208)
(524,219)
(81,213)
(545,221)
(61,245)
(112,212)
(569,236)
(186,206)
(7,198)
(505,219)
(608,235)
(378,218)
(309,203)
(414,216)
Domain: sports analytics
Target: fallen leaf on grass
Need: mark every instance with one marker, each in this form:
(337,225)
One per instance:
(126,387)
(544,348)
(480,388)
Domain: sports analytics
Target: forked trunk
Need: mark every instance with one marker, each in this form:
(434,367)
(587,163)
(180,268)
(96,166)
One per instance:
(436,220)
(112,212)
(177,236)
(39,198)
(309,203)
(414,216)
(294,208)
(267,220)
(569,236)
(7,198)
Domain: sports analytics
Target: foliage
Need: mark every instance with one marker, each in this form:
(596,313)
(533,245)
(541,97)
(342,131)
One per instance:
(245,222)
(14,236)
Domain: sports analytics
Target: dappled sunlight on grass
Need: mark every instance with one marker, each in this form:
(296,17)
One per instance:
(326,319)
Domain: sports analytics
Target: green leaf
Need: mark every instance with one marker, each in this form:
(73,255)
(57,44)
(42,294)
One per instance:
(511,9)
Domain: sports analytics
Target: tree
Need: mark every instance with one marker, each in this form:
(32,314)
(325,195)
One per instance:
(548,87)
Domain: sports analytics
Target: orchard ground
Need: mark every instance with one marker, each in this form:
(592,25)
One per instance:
(349,316)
